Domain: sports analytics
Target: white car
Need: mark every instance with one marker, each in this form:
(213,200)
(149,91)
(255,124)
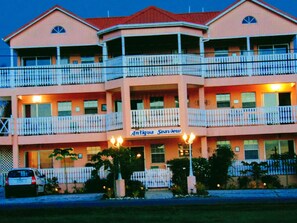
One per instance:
(24,181)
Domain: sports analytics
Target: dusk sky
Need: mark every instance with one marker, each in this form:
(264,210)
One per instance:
(15,13)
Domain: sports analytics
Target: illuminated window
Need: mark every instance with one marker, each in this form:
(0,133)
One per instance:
(251,149)
(91,151)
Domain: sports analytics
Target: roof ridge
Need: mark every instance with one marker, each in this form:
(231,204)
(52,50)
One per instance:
(162,11)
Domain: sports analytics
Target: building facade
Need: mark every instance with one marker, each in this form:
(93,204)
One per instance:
(228,76)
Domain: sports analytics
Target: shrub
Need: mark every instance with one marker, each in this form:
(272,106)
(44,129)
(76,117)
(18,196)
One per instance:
(134,188)
(243,182)
(201,189)
(52,186)
(271,181)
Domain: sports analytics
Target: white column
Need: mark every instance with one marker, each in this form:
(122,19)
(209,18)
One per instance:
(58,62)
(179,53)
(249,59)
(104,58)
(12,75)
(202,52)
(123,54)
(58,56)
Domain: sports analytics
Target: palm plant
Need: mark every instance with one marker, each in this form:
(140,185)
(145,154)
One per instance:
(62,154)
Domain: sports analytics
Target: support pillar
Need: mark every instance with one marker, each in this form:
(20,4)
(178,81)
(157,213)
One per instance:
(204,147)
(120,188)
(15,146)
(191,181)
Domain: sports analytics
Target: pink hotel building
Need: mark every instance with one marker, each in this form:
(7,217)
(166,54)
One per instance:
(227,76)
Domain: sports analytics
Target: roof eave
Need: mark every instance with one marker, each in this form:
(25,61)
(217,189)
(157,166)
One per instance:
(9,37)
(151,25)
(255,1)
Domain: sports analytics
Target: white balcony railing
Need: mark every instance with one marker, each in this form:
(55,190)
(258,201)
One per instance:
(155,118)
(242,116)
(5,126)
(68,124)
(149,65)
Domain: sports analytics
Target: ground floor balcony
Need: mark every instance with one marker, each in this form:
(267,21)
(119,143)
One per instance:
(149,65)
(158,178)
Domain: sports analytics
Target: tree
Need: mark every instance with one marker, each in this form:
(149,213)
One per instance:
(112,157)
(219,164)
(62,154)
(256,170)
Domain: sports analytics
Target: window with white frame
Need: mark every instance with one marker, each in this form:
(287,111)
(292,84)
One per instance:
(248,99)
(91,107)
(223,100)
(156,102)
(91,151)
(251,149)
(221,52)
(87,59)
(158,153)
(36,61)
(64,108)
(223,143)
(279,147)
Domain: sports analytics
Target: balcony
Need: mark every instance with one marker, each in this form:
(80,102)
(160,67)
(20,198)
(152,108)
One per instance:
(242,116)
(69,124)
(149,65)
(150,118)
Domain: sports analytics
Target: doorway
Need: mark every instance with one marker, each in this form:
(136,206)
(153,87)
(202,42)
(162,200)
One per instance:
(138,153)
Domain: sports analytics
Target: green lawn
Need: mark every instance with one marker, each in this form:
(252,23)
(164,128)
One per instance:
(251,213)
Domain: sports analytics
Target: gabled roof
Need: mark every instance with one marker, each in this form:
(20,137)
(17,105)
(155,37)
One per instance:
(43,15)
(153,14)
(201,17)
(259,2)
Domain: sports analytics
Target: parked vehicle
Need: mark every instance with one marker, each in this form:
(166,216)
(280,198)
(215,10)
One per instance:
(24,181)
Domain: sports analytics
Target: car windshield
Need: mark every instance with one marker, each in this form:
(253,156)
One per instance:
(20,173)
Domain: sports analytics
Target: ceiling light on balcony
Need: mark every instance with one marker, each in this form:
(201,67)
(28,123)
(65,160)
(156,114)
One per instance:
(36,98)
(275,87)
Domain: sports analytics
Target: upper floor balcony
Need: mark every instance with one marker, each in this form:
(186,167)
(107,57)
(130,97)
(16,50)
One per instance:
(151,118)
(149,65)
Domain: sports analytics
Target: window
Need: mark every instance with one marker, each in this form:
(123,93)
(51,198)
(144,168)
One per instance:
(176,101)
(278,147)
(273,49)
(91,107)
(64,108)
(58,29)
(87,59)
(36,61)
(183,150)
(223,100)
(221,52)
(37,110)
(248,100)
(251,149)
(158,153)
(137,104)
(223,143)
(38,159)
(156,102)
(249,20)
(91,151)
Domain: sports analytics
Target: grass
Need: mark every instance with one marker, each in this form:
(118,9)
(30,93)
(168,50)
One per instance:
(252,212)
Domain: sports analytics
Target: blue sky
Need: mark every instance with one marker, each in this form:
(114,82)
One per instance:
(15,13)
